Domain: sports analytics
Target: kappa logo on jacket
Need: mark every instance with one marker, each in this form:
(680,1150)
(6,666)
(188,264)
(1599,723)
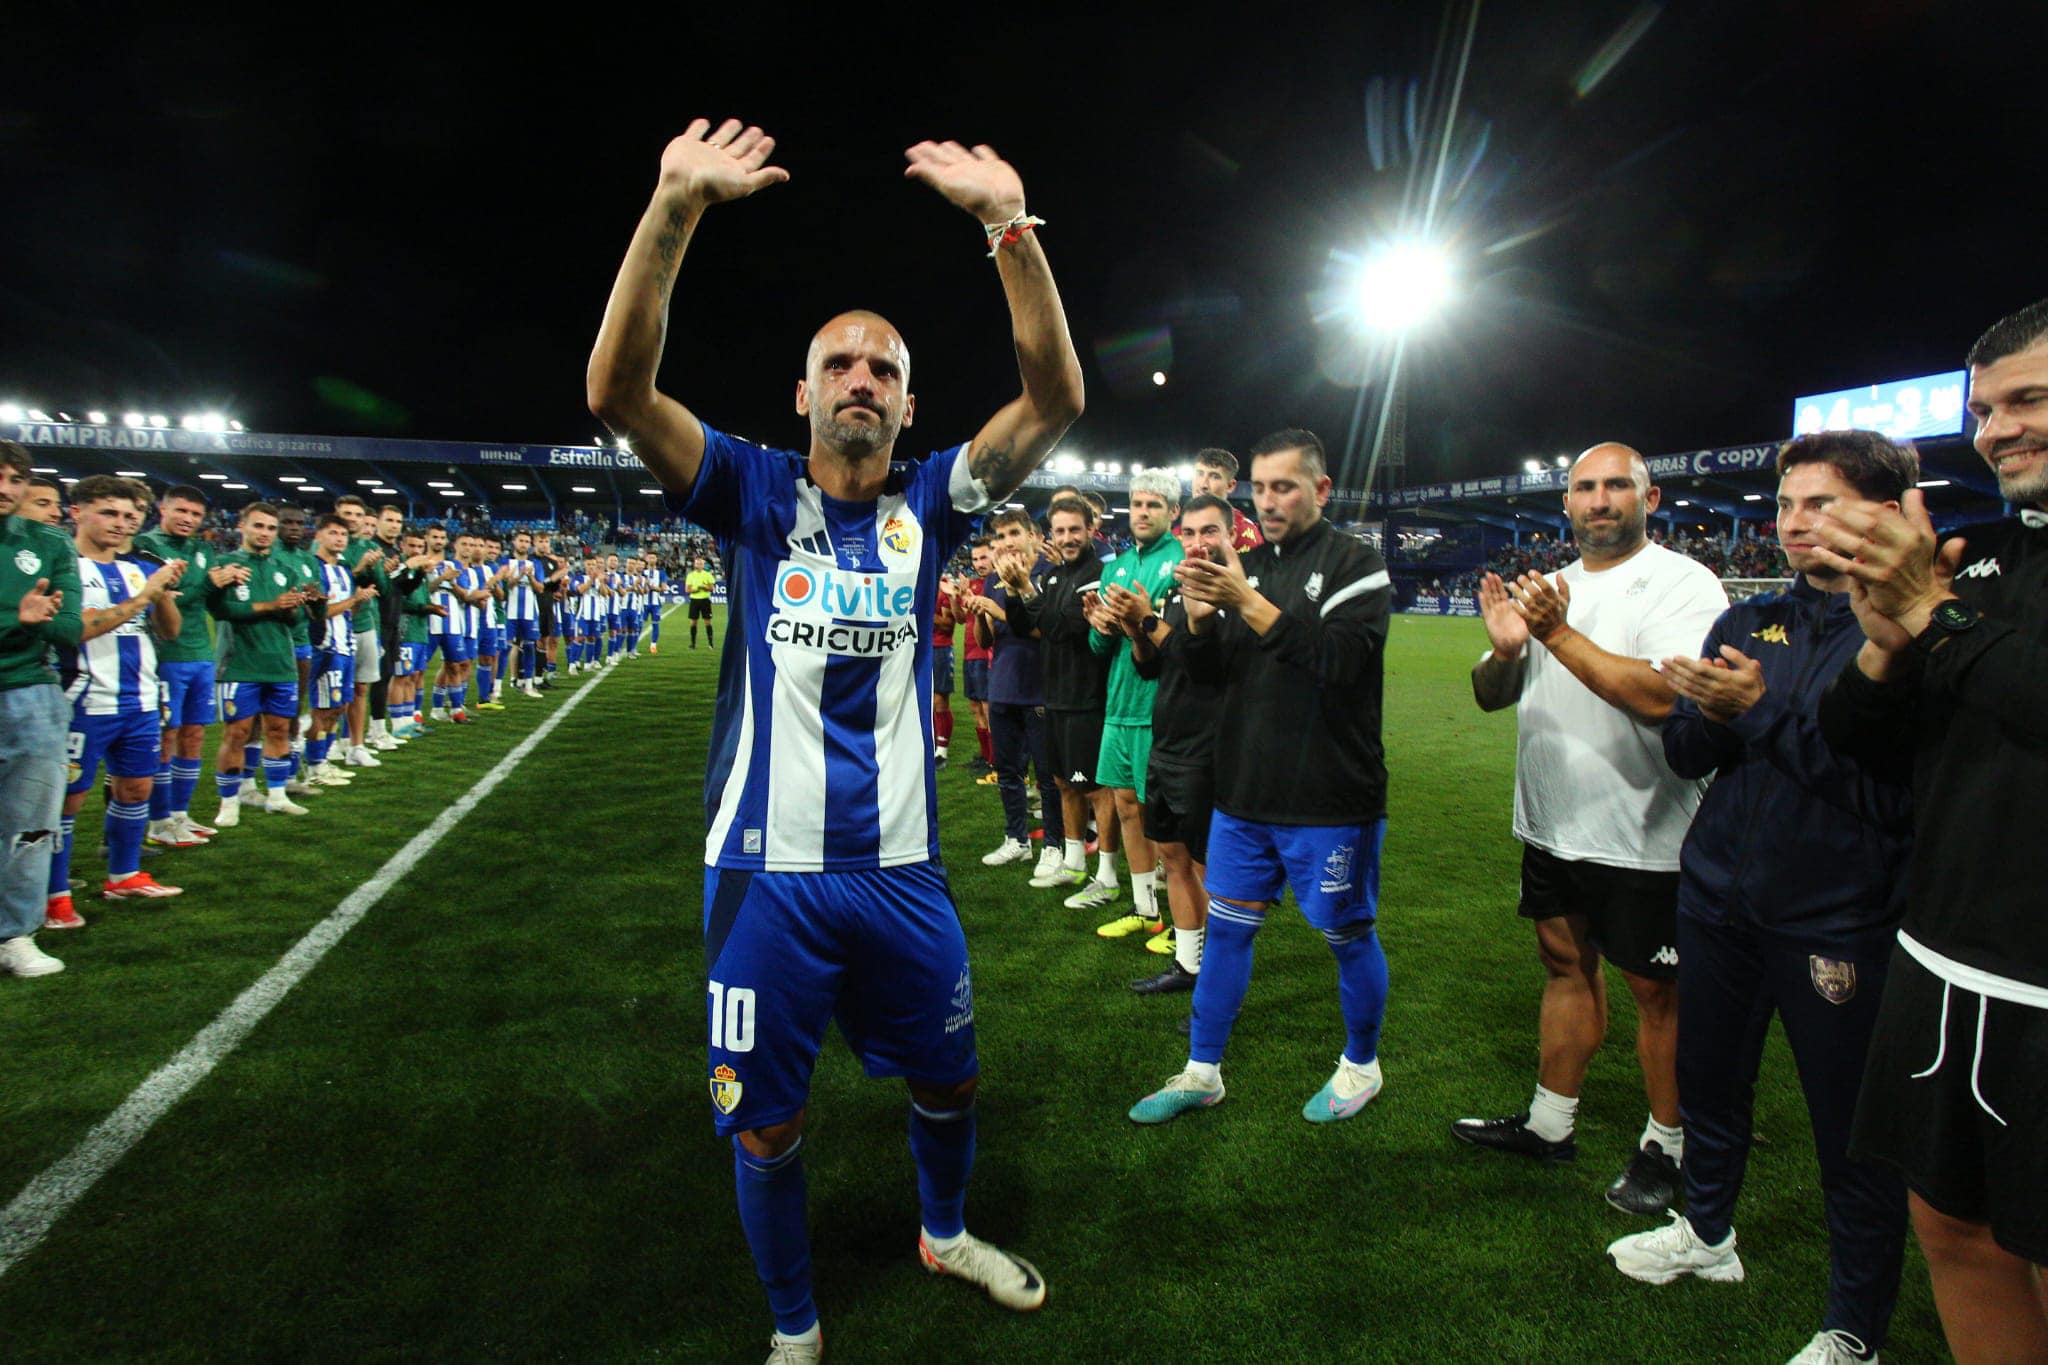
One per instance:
(1770,635)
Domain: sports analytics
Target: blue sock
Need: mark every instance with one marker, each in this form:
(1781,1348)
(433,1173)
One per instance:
(229,785)
(160,792)
(184,781)
(1226,975)
(942,1145)
(771,1200)
(317,750)
(654,629)
(529,654)
(126,823)
(252,758)
(297,765)
(440,697)
(1361,987)
(60,860)
(277,772)
(485,676)
(504,661)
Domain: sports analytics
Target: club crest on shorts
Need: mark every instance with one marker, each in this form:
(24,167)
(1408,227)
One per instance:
(1337,871)
(725,1088)
(1835,980)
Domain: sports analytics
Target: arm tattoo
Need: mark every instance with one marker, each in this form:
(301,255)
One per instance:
(668,249)
(996,468)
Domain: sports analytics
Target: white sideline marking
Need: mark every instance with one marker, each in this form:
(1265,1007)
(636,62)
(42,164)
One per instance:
(28,1219)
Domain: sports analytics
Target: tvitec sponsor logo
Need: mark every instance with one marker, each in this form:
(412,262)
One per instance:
(840,611)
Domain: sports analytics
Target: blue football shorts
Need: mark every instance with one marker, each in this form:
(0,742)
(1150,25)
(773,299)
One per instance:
(187,690)
(131,744)
(942,670)
(1334,869)
(334,679)
(881,951)
(241,700)
(519,631)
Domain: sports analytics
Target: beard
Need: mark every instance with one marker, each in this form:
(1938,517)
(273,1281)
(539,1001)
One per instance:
(854,439)
(1623,533)
(2027,489)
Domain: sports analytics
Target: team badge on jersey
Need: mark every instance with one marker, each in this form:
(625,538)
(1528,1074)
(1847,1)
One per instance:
(28,561)
(1314,587)
(899,535)
(725,1089)
(1833,979)
(241,592)
(278,578)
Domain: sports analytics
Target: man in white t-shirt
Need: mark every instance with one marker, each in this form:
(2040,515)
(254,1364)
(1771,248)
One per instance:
(1600,814)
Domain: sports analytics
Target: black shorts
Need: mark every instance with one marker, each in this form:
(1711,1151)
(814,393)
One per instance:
(1632,916)
(1074,741)
(1935,1129)
(1179,798)
(547,616)
(700,609)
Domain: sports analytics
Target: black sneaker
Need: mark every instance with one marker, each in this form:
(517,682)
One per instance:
(1174,978)
(1650,1184)
(938,762)
(1512,1134)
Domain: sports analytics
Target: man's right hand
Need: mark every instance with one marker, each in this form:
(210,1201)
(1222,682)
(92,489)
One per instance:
(1506,629)
(707,167)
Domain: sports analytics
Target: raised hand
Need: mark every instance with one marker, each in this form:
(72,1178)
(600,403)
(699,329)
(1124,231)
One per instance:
(1891,553)
(1506,630)
(713,167)
(978,181)
(39,604)
(166,577)
(1542,605)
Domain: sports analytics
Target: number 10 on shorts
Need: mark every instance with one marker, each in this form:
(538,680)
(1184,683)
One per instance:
(732,1018)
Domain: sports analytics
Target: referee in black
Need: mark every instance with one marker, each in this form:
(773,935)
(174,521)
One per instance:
(1953,681)
(1789,892)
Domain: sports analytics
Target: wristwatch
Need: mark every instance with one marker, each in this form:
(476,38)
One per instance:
(1149,624)
(1950,618)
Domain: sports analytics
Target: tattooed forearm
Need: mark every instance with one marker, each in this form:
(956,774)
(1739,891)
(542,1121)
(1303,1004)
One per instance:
(668,249)
(997,467)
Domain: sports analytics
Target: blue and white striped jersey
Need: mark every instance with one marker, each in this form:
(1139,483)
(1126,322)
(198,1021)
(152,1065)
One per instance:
(114,674)
(451,623)
(522,603)
(821,740)
(336,634)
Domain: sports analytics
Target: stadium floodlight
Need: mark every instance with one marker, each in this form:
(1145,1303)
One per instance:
(11,412)
(1401,285)
(96,417)
(387,492)
(43,469)
(1564,462)
(368,483)
(235,485)
(1752,497)
(580,488)
(282,478)
(133,419)
(513,487)
(1533,466)
(654,492)
(1115,467)
(439,483)
(626,445)
(159,421)
(234,425)
(1682,503)
(1932,483)
(68,479)
(191,421)
(1159,379)
(453,493)
(38,415)
(131,474)
(216,478)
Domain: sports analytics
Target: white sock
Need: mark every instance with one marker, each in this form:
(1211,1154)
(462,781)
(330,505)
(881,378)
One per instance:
(1076,859)
(1105,869)
(1144,890)
(1371,1068)
(1551,1115)
(1205,1072)
(810,1338)
(1187,949)
(1672,1140)
(273,798)
(937,1243)
(939,749)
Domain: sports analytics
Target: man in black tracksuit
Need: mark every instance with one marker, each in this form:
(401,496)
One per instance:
(1789,891)
(1953,684)
(1296,634)
(1076,679)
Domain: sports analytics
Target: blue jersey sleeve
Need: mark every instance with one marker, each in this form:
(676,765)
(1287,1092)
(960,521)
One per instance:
(947,499)
(726,494)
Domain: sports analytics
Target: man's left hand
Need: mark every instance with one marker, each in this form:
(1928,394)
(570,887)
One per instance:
(1722,688)
(978,181)
(1542,605)
(1891,553)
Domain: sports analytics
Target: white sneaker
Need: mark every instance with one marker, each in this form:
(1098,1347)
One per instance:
(277,803)
(1049,870)
(1674,1251)
(327,775)
(1007,852)
(21,957)
(1835,1347)
(383,744)
(300,786)
(361,757)
(1010,1280)
(188,828)
(783,1351)
(1094,896)
(230,813)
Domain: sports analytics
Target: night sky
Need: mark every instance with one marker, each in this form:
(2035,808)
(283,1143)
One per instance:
(387,230)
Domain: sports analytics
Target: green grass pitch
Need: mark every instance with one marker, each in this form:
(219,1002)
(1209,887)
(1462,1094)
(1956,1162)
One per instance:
(479,1129)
